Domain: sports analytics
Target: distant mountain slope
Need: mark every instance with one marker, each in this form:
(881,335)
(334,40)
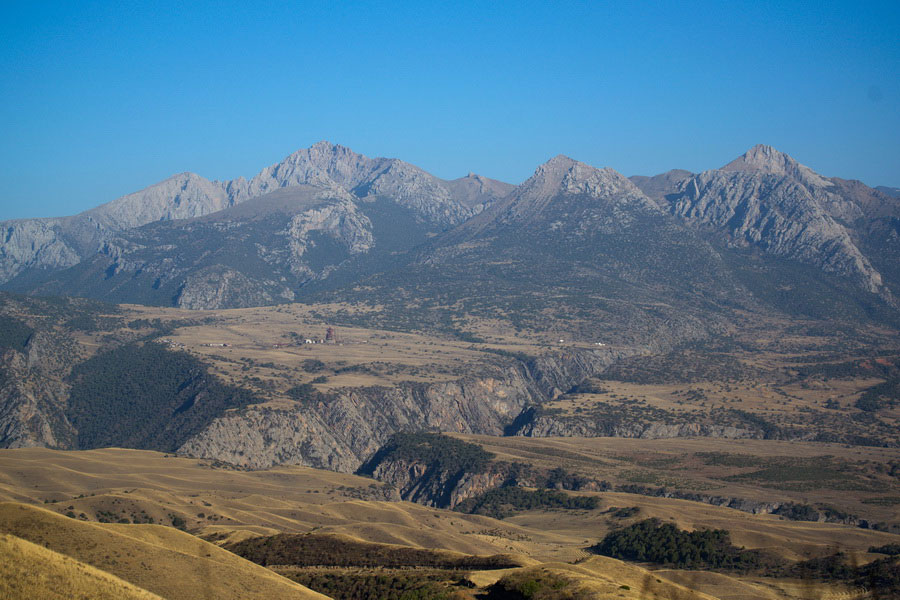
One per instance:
(890,191)
(763,231)
(658,186)
(263,251)
(49,244)
(767,200)
(571,240)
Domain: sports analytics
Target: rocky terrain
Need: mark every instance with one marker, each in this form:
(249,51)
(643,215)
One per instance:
(763,232)
(33,247)
(339,430)
(767,200)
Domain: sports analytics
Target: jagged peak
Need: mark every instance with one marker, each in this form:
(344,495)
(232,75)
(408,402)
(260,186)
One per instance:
(567,174)
(322,149)
(762,158)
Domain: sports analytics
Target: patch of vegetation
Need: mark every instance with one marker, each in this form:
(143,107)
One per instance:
(882,395)
(312,365)
(797,512)
(360,584)
(882,501)
(306,393)
(889,549)
(624,513)
(726,459)
(507,501)
(440,452)
(803,474)
(14,333)
(317,550)
(664,544)
(145,396)
(880,577)
(685,365)
(536,584)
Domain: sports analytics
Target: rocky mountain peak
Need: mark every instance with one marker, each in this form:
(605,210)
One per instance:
(566,175)
(766,159)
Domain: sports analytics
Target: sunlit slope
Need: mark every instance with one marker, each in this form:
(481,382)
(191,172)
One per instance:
(31,571)
(163,560)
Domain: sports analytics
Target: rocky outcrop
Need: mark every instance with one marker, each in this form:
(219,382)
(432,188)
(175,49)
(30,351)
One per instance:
(533,425)
(341,221)
(418,482)
(181,196)
(217,287)
(768,200)
(33,393)
(33,244)
(347,426)
(324,164)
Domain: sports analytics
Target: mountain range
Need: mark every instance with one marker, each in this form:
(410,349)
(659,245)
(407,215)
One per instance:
(763,231)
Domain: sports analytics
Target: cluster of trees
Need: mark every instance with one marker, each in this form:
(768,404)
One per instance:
(882,395)
(14,333)
(504,502)
(145,396)
(363,585)
(663,543)
(305,392)
(440,452)
(317,550)
(536,584)
(881,577)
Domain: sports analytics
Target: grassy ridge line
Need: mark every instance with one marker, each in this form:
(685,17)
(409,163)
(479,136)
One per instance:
(162,560)
(31,571)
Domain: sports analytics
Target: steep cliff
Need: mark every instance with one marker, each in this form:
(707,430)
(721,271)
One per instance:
(344,428)
(33,392)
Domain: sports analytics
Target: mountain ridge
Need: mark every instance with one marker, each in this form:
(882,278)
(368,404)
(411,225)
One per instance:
(326,217)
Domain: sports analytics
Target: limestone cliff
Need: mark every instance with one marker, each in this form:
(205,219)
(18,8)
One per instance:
(347,426)
(33,393)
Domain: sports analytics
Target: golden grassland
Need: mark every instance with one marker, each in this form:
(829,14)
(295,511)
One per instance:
(298,499)
(210,499)
(688,464)
(390,357)
(32,571)
(162,560)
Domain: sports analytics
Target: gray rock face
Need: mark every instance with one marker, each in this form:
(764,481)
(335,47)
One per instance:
(33,394)
(548,426)
(215,287)
(658,186)
(33,244)
(324,164)
(60,243)
(417,482)
(352,424)
(181,196)
(562,175)
(768,200)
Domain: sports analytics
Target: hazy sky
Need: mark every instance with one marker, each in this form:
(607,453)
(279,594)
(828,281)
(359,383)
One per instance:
(101,99)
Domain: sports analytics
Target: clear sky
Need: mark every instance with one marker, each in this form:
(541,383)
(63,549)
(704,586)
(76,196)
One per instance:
(98,99)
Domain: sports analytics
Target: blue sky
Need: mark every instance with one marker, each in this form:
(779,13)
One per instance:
(101,99)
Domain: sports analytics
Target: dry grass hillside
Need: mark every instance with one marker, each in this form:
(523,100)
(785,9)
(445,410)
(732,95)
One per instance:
(162,560)
(32,571)
(852,479)
(115,484)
